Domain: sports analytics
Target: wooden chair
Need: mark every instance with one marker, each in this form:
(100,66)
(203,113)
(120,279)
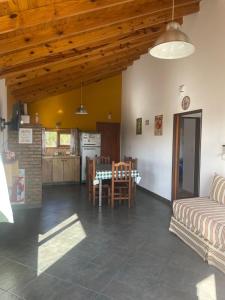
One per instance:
(103,159)
(133,167)
(86,171)
(133,162)
(93,190)
(121,183)
(127,158)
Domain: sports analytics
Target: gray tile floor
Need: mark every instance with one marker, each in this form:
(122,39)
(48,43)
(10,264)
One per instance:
(70,250)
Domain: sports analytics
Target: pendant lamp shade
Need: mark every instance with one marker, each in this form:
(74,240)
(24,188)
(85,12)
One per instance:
(172,44)
(81,110)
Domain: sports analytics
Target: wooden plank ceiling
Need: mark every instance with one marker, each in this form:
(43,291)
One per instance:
(48,47)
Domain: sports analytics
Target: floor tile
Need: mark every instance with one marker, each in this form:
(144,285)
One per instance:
(10,296)
(47,287)
(14,275)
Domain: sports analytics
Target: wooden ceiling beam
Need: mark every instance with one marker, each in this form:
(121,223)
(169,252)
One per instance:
(68,73)
(57,49)
(71,86)
(116,48)
(87,38)
(96,72)
(98,65)
(92,20)
(22,17)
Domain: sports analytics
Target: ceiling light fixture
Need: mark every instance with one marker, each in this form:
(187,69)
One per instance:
(81,110)
(173,43)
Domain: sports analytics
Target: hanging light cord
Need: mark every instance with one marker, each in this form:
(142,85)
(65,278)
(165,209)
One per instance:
(81,94)
(173,10)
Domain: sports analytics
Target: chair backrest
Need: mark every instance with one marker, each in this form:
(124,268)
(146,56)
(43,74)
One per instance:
(133,161)
(91,169)
(121,172)
(127,158)
(103,159)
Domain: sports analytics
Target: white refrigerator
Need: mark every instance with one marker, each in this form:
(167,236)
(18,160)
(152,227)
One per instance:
(90,145)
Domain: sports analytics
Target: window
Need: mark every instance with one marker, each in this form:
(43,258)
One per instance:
(64,139)
(56,139)
(51,139)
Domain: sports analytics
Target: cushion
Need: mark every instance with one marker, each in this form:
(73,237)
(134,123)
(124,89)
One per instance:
(217,192)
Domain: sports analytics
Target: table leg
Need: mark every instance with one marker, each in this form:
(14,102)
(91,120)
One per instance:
(100,193)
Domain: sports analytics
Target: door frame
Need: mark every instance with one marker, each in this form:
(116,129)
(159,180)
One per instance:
(176,149)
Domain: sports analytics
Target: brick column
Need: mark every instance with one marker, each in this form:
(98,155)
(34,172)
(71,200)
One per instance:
(30,159)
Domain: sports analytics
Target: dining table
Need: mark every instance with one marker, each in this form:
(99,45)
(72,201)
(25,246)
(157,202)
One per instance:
(104,172)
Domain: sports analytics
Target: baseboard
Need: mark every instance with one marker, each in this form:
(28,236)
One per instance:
(158,197)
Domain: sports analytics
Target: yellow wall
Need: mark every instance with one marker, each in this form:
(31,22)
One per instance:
(100,99)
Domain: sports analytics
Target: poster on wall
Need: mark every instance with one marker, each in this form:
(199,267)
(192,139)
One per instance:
(159,125)
(25,136)
(139,126)
(18,188)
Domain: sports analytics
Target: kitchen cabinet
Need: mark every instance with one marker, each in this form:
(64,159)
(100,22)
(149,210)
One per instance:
(61,169)
(47,170)
(57,170)
(69,169)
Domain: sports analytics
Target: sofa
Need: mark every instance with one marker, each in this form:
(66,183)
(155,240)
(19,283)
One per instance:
(200,223)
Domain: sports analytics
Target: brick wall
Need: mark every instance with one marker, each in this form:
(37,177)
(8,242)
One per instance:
(29,156)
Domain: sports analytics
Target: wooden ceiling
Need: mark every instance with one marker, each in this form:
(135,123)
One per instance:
(48,47)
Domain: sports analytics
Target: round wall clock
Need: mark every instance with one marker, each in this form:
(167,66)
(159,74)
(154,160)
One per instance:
(186,102)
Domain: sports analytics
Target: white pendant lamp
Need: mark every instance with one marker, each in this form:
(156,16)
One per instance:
(173,43)
(81,110)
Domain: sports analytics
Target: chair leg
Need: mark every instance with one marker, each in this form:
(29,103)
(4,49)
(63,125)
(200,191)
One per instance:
(94,195)
(90,194)
(129,196)
(112,200)
(109,196)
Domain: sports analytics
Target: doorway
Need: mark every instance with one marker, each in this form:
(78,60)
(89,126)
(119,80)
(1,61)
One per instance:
(110,139)
(186,154)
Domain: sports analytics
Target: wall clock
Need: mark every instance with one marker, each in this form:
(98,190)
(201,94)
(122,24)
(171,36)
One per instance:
(186,101)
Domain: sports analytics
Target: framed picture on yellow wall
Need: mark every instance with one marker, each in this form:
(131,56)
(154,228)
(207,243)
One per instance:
(139,126)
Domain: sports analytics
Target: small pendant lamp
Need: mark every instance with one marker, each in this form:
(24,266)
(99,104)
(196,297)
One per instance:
(81,110)
(173,43)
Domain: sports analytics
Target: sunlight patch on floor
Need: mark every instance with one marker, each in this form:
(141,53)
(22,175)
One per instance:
(206,289)
(58,241)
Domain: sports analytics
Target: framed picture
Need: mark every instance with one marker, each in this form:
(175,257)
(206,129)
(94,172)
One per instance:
(139,126)
(159,125)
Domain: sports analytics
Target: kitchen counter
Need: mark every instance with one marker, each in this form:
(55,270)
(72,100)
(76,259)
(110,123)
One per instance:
(60,169)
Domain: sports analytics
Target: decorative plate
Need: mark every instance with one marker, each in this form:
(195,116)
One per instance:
(186,102)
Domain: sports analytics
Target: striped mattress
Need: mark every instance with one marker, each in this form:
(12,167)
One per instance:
(203,216)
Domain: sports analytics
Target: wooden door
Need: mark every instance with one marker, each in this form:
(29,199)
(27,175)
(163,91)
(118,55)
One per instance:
(57,170)
(110,139)
(47,170)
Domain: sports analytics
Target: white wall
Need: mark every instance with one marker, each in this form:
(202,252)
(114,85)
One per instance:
(3,112)
(150,87)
